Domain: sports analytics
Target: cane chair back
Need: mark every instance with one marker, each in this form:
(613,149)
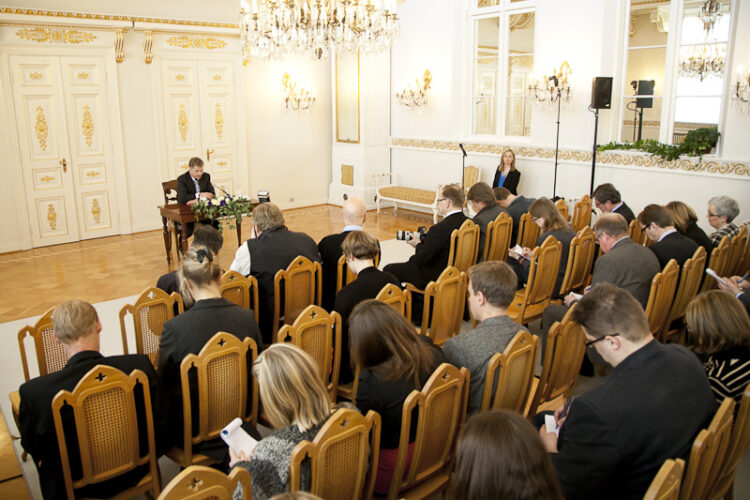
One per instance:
(398,299)
(660,298)
(107,436)
(687,288)
(736,252)
(514,371)
(739,443)
(303,286)
(240,290)
(441,406)
(343,457)
(464,244)
(581,213)
(636,233)
(444,302)
(666,484)
(528,232)
(199,482)
(151,310)
(529,303)
(580,260)
(344,275)
(221,375)
(562,207)
(50,355)
(718,262)
(497,240)
(319,334)
(708,454)
(471,177)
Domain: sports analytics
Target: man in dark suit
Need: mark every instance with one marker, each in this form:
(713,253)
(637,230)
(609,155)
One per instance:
(516,205)
(360,250)
(77,327)
(658,225)
(194,184)
(431,253)
(607,199)
(614,438)
(485,205)
(354,213)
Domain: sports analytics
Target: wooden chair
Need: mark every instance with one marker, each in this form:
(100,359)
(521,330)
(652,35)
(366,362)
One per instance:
(717,262)
(689,283)
(151,310)
(303,286)
(581,213)
(666,484)
(528,232)
(471,177)
(199,482)
(241,290)
(516,371)
(342,280)
(221,370)
(170,197)
(441,407)
(562,207)
(660,298)
(736,253)
(50,355)
(744,265)
(580,261)
(464,244)
(399,299)
(319,334)
(103,404)
(343,457)
(497,238)
(739,444)
(635,233)
(529,303)
(707,454)
(444,302)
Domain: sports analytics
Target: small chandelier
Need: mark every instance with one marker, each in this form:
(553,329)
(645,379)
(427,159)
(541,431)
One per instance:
(277,28)
(296,97)
(741,93)
(703,61)
(549,89)
(710,13)
(415,97)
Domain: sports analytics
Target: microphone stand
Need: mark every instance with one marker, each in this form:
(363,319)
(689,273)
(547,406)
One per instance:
(463,164)
(557,138)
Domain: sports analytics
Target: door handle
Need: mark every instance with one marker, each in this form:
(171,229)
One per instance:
(64,165)
(208,154)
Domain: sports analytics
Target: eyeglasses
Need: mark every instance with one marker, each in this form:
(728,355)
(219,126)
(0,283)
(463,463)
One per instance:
(440,199)
(592,342)
(712,215)
(643,228)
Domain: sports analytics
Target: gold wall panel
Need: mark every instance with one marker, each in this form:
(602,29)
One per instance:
(347,175)
(55,35)
(47,178)
(40,125)
(51,217)
(87,125)
(88,128)
(96,210)
(93,173)
(196,42)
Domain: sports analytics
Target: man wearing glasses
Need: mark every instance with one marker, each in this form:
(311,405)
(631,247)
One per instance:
(613,439)
(607,199)
(658,226)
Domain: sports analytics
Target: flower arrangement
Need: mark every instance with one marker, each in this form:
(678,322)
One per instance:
(224,207)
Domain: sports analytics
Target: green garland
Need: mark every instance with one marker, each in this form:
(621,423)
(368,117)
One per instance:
(697,143)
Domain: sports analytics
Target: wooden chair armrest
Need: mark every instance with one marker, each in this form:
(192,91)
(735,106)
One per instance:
(413,289)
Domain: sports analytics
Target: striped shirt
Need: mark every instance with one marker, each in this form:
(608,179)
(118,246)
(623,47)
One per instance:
(728,372)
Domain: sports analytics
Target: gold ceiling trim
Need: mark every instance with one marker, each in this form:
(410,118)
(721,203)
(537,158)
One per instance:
(612,158)
(55,35)
(196,42)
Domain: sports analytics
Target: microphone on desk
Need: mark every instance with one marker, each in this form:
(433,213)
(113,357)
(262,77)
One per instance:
(462,149)
(222,190)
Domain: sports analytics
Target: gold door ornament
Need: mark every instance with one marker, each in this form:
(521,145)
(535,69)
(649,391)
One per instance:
(83,75)
(182,123)
(47,179)
(55,35)
(35,75)
(219,122)
(41,128)
(51,217)
(87,125)
(96,211)
(196,42)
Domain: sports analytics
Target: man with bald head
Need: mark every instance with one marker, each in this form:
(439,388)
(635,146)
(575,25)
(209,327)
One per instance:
(354,212)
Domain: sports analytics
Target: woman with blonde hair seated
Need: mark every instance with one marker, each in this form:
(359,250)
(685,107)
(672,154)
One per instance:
(296,403)
(686,222)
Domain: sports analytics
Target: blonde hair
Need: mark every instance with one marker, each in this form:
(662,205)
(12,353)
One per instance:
(502,163)
(547,211)
(682,214)
(267,216)
(291,388)
(360,245)
(72,320)
(717,321)
(200,268)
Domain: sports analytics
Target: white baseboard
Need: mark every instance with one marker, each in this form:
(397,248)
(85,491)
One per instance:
(147,226)
(10,247)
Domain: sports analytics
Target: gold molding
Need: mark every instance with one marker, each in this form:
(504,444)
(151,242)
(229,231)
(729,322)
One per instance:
(87,125)
(221,163)
(608,158)
(96,211)
(83,75)
(40,125)
(182,123)
(55,35)
(217,77)
(35,75)
(47,179)
(219,122)
(51,217)
(148,43)
(180,77)
(119,45)
(347,175)
(196,42)
(92,174)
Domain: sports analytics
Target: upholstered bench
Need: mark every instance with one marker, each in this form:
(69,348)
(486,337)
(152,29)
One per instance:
(423,198)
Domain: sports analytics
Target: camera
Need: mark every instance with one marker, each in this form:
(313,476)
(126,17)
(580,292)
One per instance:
(408,235)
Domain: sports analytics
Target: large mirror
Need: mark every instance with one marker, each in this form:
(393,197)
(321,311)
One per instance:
(347,98)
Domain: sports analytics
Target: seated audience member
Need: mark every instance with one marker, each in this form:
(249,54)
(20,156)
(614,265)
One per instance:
(188,333)
(485,205)
(77,327)
(492,286)
(296,403)
(739,287)
(506,175)
(431,253)
(658,226)
(271,248)
(194,184)
(499,455)
(516,205)
(686,222)
(719,332)
(360,250)
(353,212)
(204,236)
(614,438)
(394,361)
(607,199)
(722,210)
(544,213)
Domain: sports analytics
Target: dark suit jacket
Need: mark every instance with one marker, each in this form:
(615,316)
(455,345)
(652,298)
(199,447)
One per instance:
(37,427)
(510,182)
(699,236)
(330,252)
(648,409)
(186,188)
(624,210)
(628,265)
(675,246)
(431,255)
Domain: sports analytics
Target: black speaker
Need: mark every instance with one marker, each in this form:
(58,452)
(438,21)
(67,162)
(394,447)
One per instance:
(645,87)
(601,92)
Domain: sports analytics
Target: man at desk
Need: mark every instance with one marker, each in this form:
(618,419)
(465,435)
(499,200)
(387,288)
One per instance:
(192,185)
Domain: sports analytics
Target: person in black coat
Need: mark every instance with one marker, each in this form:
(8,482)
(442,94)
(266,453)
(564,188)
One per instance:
(685,220)
(360,250)
(658,226)
(77,327)
(608,199)
(506,174)
(193,184)
(516,205)
(483,202)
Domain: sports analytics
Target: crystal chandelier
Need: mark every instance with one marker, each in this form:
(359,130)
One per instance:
(296,97)
(710,13)
(703,61)
(549,90)
(416,96)
(277,28)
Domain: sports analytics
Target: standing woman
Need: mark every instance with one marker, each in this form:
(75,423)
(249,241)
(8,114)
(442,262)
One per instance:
(506,175)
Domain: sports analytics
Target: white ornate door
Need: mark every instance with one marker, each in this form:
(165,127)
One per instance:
(217,118)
